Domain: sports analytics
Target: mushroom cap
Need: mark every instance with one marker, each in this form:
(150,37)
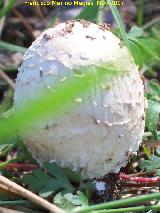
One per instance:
(106,126)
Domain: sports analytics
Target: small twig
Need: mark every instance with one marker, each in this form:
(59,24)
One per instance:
(7,79)
(125,177)
(7,190)
(25,23)
(151,143)
(30,195)
(151,23)
(5,210)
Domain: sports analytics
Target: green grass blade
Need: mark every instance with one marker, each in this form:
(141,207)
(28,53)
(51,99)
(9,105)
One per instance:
(118,203)
(140,13)
(54,103)
(14,202)
(131,209)
(11,47)
(7,8)
(100,15)
(120,24)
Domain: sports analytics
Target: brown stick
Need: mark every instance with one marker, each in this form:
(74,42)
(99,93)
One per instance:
(6,210)
(25,23)
(151,143)
(30,195)
(7,190)
(38,12)
(6,78)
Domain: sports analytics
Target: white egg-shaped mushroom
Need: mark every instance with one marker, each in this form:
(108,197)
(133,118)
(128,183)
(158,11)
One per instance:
(106,127)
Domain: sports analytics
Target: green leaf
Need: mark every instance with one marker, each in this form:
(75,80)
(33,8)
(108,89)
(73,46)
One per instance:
(153,111)
(152,115)
(69,201)
(153,91)
(6,102)
(136,53)
(149,48)
(50,181)
(135,32)
(74,176)
(151,165)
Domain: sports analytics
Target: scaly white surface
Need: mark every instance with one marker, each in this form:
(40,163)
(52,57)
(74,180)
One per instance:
(99,135)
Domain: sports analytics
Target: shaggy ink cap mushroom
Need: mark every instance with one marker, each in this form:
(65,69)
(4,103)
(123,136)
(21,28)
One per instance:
(100,134)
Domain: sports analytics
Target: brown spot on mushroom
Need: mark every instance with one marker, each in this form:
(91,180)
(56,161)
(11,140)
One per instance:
(108,160)
(40,73)
(118,163)
(121,44)
(120,136)
(139,94)
(19,65)
(104,26)
(69,26)
(83,57)
(50,126)
(62,33)
(47,36)
(77,71)
(47,127)
(69,55)
(84,22)
(130,95)
(90,37)
(127,153)
(96,121)
(69,21)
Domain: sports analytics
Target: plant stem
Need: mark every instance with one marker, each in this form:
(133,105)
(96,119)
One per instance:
(118,203)
(100,15)
(139,179)
(19,166)
(130,209)
(140,13)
